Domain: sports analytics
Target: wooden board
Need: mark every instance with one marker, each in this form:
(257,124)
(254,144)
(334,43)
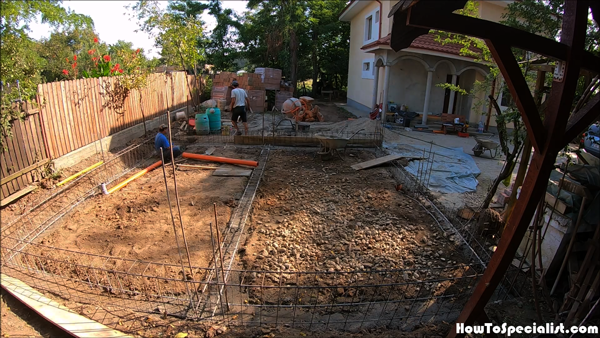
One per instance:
(375,162)
(17,195)
(561,207)
(232,172)
(59,315)
(210,151)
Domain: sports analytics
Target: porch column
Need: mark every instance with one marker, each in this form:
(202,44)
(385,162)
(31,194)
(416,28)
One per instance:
(427,95)
(375,85)
(386,84)
(452,96)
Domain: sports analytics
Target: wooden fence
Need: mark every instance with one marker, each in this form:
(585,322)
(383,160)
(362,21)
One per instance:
(24,153)
(76,113)
(73,114)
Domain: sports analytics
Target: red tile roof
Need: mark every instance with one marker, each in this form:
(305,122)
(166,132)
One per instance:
(426,41)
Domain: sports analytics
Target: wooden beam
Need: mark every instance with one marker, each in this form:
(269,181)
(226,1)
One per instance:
(573,35)
(489,30)
(520,92)
(59,315)
(23,172)
(17,195)
(581,119)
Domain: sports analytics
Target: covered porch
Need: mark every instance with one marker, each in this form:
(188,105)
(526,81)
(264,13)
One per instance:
(410,77)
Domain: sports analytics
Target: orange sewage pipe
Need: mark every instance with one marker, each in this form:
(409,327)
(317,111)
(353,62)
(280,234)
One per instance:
(140,174)
(220,159)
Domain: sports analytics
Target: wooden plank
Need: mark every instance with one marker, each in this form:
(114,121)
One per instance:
(59,315)
(561,207)
(377,161)
(22,172)
(60,119)
(210,151)
(576,188)
(46,118)
(232,172)
(17,195)
(17,159)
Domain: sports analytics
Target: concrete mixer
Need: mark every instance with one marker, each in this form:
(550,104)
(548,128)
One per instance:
(302,110)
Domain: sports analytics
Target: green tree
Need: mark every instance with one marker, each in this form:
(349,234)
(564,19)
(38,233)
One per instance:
(330,42)
(58,51)
(177,34)
(276,27)
(18,58)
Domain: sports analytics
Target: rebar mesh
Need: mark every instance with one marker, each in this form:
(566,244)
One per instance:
(344,300)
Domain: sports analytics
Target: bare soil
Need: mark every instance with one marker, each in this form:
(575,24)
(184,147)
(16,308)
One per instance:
(135,222)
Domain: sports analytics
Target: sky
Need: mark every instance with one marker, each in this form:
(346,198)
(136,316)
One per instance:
(112,22)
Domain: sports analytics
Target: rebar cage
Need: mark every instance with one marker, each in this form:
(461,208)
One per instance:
(314,300)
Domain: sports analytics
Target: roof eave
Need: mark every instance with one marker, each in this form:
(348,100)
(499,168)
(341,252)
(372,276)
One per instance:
(353,8)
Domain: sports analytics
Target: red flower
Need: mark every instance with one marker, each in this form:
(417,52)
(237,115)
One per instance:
(94,59)
(66,72)
(120,71)
(74,65)
(117,66)
(91,51)
(74,57)
(95,40)
(137,51)
(106,58)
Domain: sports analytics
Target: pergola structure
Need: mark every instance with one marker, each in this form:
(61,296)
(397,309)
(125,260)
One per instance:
(413,18)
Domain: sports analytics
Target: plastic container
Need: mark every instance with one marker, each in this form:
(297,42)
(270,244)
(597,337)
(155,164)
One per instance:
(214,118)
(202,124)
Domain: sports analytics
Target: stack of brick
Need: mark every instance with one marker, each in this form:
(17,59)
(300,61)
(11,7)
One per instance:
(251,81)
(224,79)
(271,77)
(221,94)
(257,100)
(281,97)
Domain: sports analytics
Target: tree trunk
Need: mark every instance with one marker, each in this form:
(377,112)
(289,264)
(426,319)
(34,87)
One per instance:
(315,65)
(510,156)
(294,59)
(143,115)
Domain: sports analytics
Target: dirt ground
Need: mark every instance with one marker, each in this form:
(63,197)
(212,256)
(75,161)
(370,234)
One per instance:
(313,215)
(17,320)
(135,221)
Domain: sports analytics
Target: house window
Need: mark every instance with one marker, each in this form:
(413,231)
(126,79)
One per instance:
(368,69)
(372,26)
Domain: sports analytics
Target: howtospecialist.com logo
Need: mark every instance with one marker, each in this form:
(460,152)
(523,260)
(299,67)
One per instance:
(509,330)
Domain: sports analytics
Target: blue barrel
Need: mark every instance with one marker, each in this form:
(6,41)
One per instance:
(202,124)
(214,117)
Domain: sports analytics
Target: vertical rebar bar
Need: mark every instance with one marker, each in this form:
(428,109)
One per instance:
(214,252)
(187,250)
(221,257)
(162,158)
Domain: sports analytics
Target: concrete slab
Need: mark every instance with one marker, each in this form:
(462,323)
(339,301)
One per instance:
(357,112)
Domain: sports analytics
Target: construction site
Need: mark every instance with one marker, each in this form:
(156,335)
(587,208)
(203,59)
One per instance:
(331,225)
(295,235)
(306,219)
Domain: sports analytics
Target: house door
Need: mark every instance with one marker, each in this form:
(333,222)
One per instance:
(447,95)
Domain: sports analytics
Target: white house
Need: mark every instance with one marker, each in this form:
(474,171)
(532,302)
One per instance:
(378,74)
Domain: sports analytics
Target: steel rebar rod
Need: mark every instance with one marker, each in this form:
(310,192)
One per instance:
(221,256)
(214,253)
(187,250)
(162,157)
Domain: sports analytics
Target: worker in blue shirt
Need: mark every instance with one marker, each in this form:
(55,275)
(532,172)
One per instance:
(161,141)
